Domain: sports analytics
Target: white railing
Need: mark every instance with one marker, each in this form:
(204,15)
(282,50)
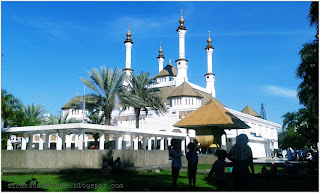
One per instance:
(162,84)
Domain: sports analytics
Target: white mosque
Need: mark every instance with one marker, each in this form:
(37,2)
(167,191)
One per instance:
(182,97)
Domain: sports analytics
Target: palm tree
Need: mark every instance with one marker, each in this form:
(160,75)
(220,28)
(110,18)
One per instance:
(138,96)
(61,119)
(289,121)
(33,115)
(106,84)
(96,118)
(10,109)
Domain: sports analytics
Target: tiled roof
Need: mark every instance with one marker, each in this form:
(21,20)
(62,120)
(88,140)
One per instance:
(184,90)
(169,70)
(211,114)
(248,110)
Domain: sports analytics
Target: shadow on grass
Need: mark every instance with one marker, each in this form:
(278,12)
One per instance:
(93,180)
(11,187)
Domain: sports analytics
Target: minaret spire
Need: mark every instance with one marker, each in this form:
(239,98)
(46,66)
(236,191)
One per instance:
(160,58)
(128,43)
(182,63)
(210,77)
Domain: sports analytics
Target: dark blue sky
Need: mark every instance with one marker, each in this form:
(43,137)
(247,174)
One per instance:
(48,46)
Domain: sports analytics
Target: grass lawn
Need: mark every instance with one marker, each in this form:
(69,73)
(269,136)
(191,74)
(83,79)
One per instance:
(151,181)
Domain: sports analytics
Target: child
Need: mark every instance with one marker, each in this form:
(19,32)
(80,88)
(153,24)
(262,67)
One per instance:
(218,168)
(175,155)
(192,158)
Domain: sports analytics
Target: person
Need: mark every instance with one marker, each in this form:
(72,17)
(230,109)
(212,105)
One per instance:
(175,155)
(192,158)
(104,168)
(264,171)
(289,155)
(218,169)
(241,157)
(117,165)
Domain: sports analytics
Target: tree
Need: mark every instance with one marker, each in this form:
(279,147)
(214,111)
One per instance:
(308,71)
(138,96)
(33,115)
(11,109)
(289,121)
(60,119)
(290,138)
(106,84)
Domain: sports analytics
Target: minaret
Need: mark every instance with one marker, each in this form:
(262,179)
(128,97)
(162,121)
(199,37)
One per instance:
(160,58)
(128,71)
(182,63)
(210,77)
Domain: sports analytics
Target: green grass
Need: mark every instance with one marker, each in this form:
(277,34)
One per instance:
(151,181)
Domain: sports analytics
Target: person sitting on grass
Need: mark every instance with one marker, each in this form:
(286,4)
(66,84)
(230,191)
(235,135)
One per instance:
(218,169)
(264,171)
(117,165)
(192,158)
(104,168)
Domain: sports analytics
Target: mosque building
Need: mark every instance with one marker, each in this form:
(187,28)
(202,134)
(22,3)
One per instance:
(182,97)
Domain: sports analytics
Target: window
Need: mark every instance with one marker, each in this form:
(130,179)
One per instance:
(192,101)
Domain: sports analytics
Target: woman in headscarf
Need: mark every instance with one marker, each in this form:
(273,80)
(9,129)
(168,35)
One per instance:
(241,157)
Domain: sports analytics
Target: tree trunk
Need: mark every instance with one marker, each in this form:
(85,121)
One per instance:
(107,117)
(137,112)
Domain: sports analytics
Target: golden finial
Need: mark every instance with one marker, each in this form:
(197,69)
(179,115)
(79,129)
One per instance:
(181,21)
(169,61)
(128,36)
(160,52)
(209,42)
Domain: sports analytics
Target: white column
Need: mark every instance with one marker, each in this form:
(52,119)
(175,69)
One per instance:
(76,136)
(187,140)
(209,60)
(47,143)
(160,60)
(223,142)
(169,141)
(119,141)
(101,140)
(162,143)
(59,140)
(149,143)
(165,143)
(144,142)
(128,54)
(132,141)
(136,142)
(30,141)
(85,136)
(80,141)
(68,141)
(183,146)
(24,141)
(182,34)
(155,143)
(9,142)
(41,141)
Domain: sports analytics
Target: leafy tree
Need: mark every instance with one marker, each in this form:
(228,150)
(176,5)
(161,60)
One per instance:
(11,109)
(33,115)
(105,84)
(96,118)
(60,119)
(308,71)
(138,96)
(289,121)
(290,138)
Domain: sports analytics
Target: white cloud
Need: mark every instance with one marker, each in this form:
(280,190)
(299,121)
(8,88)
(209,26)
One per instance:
(279,91)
